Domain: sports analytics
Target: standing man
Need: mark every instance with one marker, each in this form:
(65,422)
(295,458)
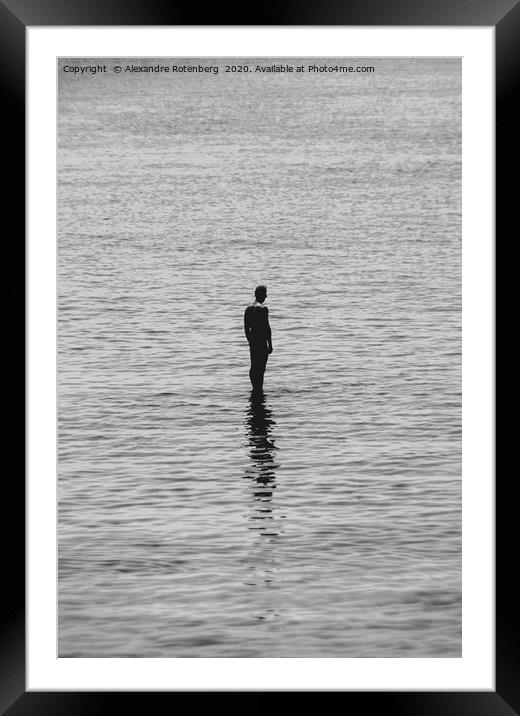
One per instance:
(258,334)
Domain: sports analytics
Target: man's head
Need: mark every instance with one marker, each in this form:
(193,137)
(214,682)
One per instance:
(260,293)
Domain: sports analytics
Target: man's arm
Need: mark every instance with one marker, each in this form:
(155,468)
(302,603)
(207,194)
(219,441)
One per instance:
(246,323)
(268,331)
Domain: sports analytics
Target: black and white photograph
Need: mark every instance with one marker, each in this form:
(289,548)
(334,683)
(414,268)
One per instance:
(259,357)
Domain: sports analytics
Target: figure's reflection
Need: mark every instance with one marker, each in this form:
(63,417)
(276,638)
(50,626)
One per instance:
(264,519)
(260,423)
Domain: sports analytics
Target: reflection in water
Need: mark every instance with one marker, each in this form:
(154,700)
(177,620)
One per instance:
(263,517)
(260,424)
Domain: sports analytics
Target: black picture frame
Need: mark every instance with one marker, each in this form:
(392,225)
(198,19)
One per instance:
(15,17)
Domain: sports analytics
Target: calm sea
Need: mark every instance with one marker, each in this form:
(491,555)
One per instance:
(323,520)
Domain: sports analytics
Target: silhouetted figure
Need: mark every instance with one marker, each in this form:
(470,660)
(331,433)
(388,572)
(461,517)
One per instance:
(258,334)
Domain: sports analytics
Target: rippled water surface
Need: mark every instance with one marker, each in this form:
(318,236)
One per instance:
(322,519)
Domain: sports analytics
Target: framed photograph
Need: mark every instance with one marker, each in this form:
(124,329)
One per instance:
(260,321)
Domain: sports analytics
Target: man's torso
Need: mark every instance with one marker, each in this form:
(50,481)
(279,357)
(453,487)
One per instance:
(257,321)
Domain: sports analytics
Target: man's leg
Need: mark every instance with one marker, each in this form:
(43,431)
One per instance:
(258,364)
(262,360)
